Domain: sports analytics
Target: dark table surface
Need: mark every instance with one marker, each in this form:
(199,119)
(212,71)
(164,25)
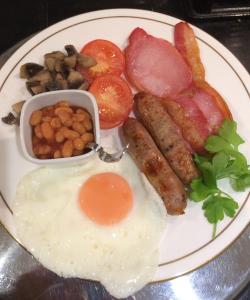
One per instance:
(20,19)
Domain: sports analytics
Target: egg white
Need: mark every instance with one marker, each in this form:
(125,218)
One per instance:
(50,224)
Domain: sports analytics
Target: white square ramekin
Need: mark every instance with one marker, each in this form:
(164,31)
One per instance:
(74,97)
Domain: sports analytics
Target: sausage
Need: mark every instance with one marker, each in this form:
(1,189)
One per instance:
(153,164)
(167,136)
(193,124)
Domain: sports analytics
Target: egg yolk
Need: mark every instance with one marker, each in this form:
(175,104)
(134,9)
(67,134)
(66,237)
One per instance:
(106,198)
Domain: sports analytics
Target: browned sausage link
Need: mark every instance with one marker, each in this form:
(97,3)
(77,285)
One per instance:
(152,163)
(189,130)
(167,136)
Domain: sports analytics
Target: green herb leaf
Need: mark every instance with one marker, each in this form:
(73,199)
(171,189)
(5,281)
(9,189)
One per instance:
(241,183)
(215,143)
(228,132)
(240,161)
(215,208)
(220,162)
(199,159)
(226,162)
(208,174)
(236,167)
(200,191)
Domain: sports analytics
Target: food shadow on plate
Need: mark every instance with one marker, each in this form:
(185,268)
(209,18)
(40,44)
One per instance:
(18,141)
(42,284)
(6,147)
(11,165)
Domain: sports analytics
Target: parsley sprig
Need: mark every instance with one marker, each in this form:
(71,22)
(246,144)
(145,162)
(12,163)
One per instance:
(225,161)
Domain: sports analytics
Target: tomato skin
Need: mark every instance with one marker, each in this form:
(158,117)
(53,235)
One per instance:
(85,73)
(114,99)
(110,59)
(107,125)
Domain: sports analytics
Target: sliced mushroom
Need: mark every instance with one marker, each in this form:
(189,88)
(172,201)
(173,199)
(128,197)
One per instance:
(58,66)
(86,61)
(59,72)
(43,77)
(35,87)
(71,50)
(70,61)
(84,86)
(37,84)
(55,54)
(50,63)
(64,70)
(29,70)
(17,107)
(61,67)
(10,119)
(75,79)
(61,81)
(52,85)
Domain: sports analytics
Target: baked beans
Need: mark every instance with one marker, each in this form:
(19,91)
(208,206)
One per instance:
(61,130)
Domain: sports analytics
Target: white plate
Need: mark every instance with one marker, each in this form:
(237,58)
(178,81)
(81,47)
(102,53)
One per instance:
(187,243)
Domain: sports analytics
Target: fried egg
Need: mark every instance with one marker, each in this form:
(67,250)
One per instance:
(97,221)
